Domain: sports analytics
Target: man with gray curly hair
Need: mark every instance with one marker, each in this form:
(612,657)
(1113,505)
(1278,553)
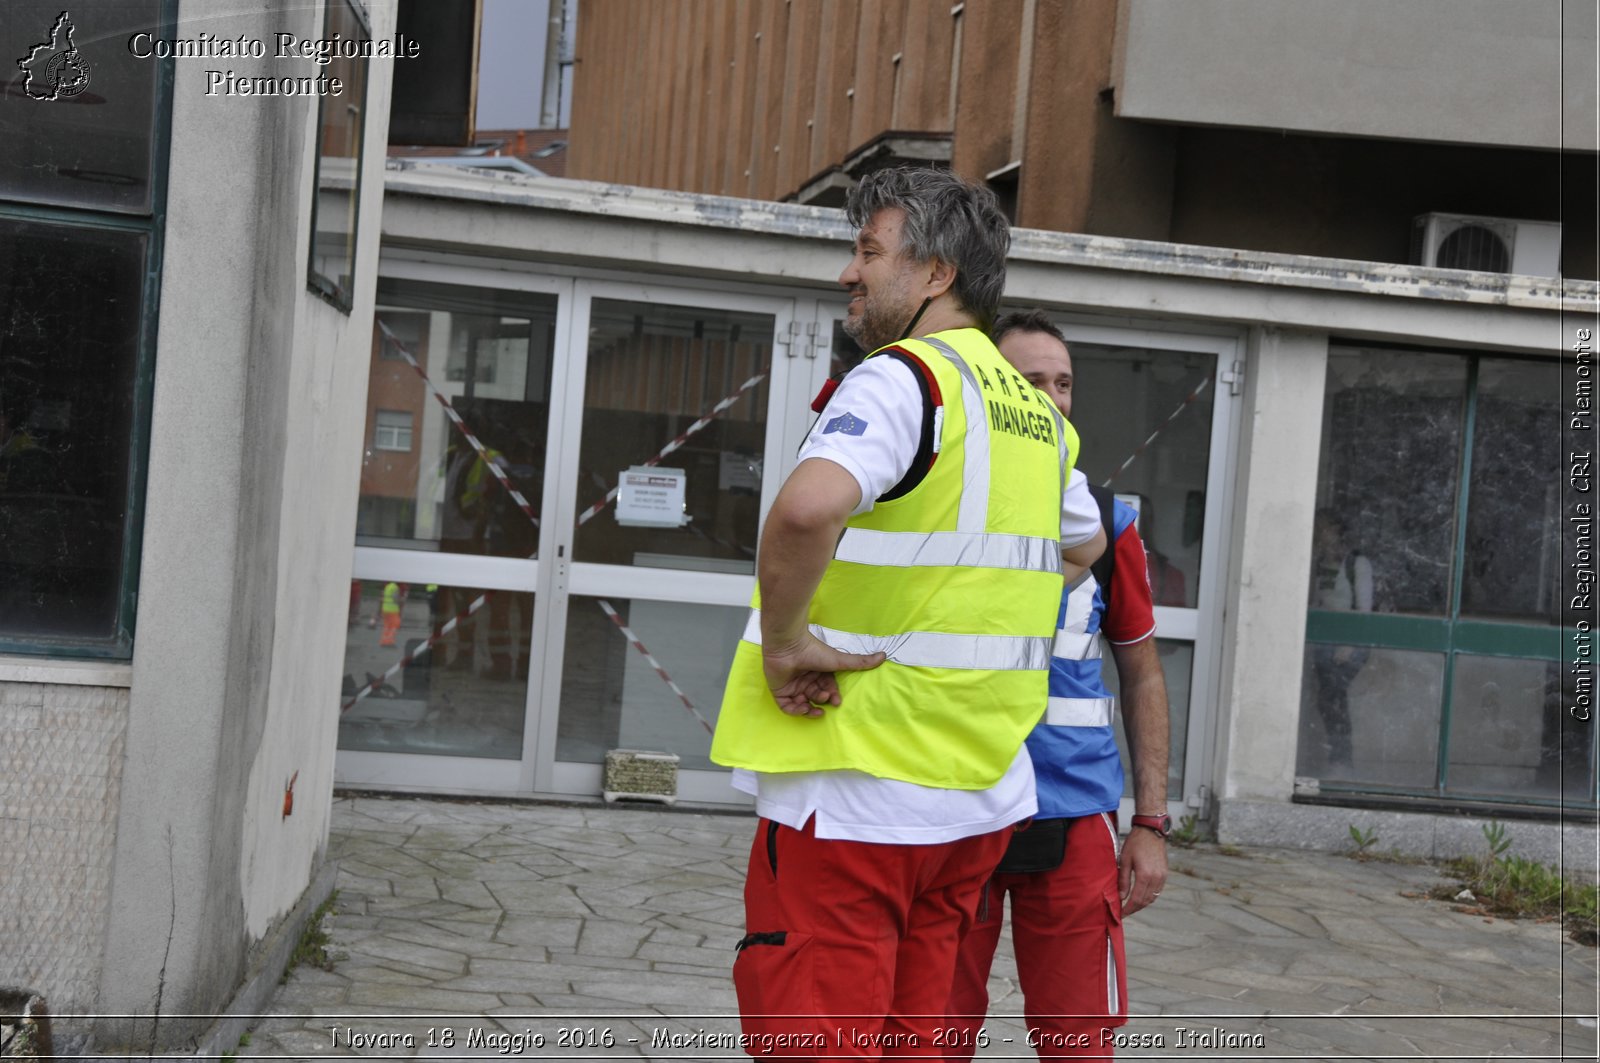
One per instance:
(907,587)
(940,219)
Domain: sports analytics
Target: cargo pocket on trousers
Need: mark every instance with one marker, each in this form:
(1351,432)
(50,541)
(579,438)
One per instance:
(773,977)
(1116,976)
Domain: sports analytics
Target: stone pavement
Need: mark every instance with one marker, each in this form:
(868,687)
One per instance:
(538,931)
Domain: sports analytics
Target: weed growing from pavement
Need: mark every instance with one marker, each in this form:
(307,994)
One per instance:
(312,948)
(1519,888)
(1186,833)
(1363,840)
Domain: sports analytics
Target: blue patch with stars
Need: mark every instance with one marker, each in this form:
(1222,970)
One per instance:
(848,423)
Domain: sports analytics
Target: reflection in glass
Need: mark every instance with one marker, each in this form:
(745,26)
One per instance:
(1177,664)
(70,299)
(653,371)
(341,120)
(77,105)
(1391,443)
(1513,554)
(1122,395)
(465,696)
(489,352)
(1506,733)
(613,698)
(1370,715)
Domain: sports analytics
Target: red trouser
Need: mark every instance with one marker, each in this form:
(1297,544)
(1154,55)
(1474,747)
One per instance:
(1066,927)
(850,946)
(391,626)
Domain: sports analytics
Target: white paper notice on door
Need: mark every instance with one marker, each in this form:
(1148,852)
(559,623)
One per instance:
(650,497)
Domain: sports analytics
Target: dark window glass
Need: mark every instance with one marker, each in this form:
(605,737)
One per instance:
(653,371)
(1506,736)
(69,334)
(423,484)
(1391,449)
(77,112)
(340,120)
(1370,715)
(1512,566)
(1122,396)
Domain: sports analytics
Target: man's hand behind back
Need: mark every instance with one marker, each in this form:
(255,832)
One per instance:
(801,676)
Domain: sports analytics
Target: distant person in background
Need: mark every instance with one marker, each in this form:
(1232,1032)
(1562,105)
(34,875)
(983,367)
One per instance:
(1341,580)
(393,603)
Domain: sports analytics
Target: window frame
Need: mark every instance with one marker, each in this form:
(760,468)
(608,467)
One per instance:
(378,427)
(1451,635)
(325,287)
(119,645)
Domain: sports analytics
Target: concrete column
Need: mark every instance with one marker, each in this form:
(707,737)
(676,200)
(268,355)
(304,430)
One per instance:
(1275,495)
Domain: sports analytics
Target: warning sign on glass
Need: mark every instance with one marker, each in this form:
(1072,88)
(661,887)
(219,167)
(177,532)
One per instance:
(649,497)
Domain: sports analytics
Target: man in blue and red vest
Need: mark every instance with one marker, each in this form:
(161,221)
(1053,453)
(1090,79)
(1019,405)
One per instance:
(1070,887)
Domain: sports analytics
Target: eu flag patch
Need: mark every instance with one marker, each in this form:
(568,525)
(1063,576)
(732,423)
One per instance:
(848,423)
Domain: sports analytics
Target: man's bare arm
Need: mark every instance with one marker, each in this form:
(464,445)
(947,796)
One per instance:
(801,531)
(1085,554)
(1145,718)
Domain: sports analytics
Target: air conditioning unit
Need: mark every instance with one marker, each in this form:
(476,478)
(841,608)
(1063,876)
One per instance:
(1490,245)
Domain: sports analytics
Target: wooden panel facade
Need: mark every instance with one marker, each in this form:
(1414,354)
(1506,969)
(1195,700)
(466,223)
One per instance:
(755,97)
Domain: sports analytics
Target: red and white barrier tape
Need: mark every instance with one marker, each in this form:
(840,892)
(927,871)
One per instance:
(683,437)
(1140,449)
(461,426)
(633,640)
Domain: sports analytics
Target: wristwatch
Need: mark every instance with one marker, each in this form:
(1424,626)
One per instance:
(1161,824)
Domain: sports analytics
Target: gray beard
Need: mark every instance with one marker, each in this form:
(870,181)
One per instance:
(871,330)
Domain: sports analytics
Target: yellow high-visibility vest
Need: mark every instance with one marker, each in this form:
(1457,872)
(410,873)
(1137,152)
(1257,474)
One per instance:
(958,580)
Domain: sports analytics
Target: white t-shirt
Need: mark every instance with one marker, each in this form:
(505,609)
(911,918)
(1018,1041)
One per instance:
(871,428)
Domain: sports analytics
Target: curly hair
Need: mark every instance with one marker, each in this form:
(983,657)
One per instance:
(947,218)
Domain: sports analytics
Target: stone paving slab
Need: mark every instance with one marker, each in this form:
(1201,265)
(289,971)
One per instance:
(549,931)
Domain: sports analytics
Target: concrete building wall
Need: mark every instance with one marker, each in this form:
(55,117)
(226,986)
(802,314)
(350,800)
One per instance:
(254,455)
(1275,483)
(1453,71)
(324,382)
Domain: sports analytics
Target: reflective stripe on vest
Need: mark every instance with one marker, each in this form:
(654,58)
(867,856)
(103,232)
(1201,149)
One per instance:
(1080,712)
(1074,642)
(932,649)
(868,546)
(975,489)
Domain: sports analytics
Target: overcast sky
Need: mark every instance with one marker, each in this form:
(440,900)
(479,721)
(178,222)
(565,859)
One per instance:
(511,63)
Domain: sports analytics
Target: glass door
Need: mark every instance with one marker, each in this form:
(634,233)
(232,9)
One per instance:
(675,406)
(447,605)
(1155,412)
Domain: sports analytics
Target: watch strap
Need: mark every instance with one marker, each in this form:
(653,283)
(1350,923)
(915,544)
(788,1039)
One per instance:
(1162,824)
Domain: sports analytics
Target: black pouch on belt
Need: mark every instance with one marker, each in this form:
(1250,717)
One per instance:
(1039,848)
